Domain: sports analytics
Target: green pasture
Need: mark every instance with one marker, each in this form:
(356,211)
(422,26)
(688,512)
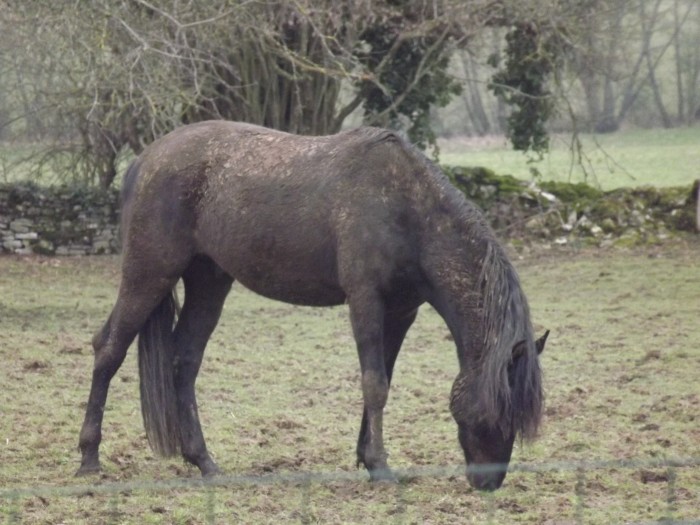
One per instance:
(279,395)
(640,157)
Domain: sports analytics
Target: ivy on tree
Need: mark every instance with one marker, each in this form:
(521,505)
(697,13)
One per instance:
(522,83)
(421,61)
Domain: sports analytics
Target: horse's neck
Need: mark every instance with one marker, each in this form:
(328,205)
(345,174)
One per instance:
(454,269)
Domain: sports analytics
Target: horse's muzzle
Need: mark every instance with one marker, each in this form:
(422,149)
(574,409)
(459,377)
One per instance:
(486,481)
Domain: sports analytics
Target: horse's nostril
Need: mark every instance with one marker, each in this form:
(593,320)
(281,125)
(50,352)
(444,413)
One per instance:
(485,482)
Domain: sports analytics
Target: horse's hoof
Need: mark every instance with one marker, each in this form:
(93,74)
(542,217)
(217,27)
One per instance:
(383,475)
(210,470)
(88,470)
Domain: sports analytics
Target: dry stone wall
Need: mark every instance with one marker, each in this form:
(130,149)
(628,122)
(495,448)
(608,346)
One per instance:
(58,220)
(83,221)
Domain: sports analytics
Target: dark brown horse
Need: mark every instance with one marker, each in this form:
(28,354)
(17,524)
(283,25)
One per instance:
(360,217)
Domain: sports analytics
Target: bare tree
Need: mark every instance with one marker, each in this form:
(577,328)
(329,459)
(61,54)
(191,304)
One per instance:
(686,45)
(97,79)
(619,47)
(115,74)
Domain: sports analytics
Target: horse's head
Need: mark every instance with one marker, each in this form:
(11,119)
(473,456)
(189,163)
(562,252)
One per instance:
(488,422)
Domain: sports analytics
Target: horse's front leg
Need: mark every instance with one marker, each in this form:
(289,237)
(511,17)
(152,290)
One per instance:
(367,317)
(396,324)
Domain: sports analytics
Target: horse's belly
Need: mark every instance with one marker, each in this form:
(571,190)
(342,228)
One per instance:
(283,268)
(293,290)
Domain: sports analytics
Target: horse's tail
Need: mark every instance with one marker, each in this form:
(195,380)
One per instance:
(157,374)
(127,194)
(156,349)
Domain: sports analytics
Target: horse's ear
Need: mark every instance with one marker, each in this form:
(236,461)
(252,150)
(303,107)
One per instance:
(519,350)
(539,344)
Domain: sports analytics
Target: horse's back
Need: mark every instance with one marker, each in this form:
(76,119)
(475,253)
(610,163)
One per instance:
(268,207)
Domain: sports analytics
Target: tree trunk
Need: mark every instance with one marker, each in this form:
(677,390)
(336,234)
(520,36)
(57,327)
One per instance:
(680,92)
(472,97)
(665,119)
(605,120)
(633,88)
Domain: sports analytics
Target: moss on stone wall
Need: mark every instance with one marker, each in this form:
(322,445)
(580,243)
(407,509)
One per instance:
(562,211)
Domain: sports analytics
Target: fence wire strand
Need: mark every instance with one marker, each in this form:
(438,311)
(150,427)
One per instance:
(305,480)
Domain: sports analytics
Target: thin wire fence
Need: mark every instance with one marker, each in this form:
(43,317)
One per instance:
(304,482)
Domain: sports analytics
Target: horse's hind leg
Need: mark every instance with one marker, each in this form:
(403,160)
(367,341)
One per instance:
(206,287)
(136,301)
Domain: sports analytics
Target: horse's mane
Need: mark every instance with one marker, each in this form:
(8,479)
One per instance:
(510,390)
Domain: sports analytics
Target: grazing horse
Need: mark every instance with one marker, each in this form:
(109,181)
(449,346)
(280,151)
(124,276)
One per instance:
(361,218)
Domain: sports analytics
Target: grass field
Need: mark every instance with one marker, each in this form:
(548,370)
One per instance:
(656,157)
(279,395)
